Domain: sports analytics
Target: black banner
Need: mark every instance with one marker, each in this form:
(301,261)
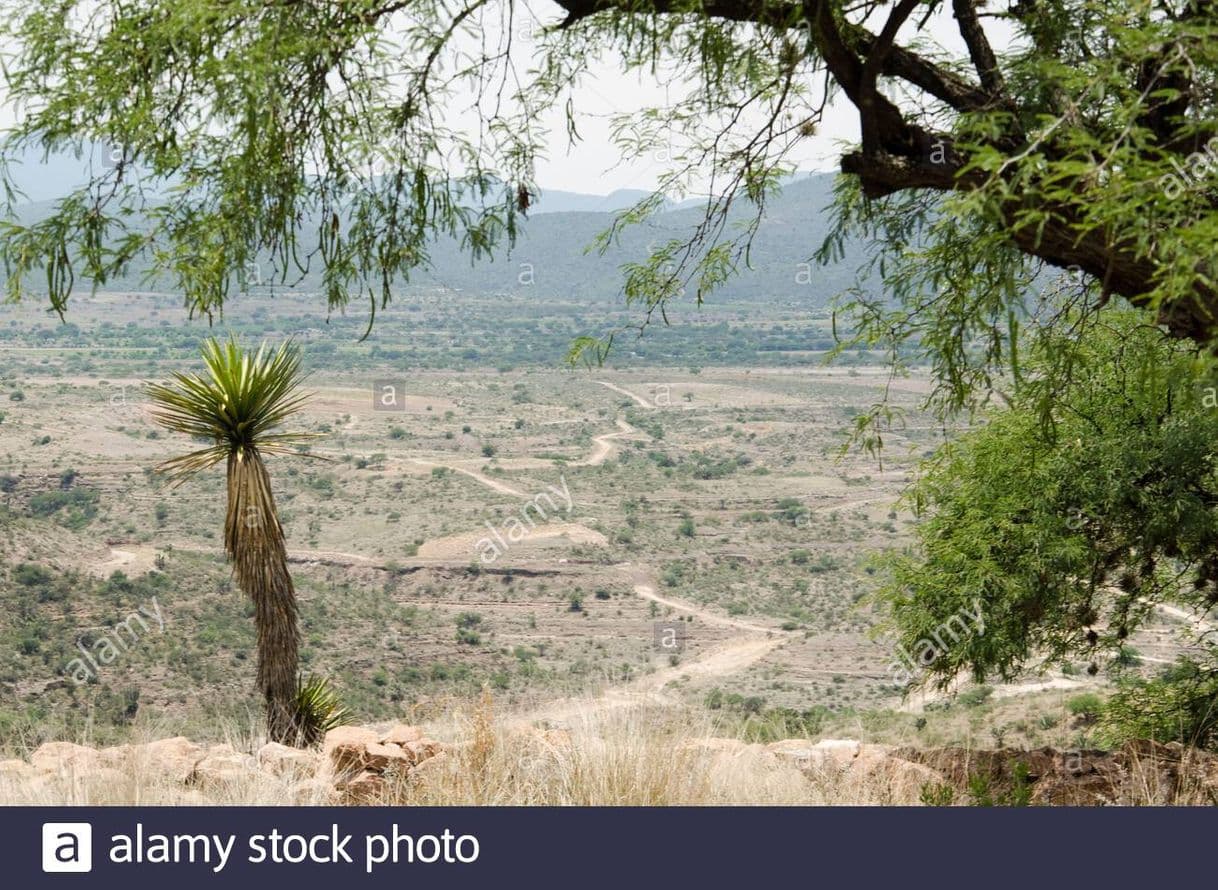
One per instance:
(497,849)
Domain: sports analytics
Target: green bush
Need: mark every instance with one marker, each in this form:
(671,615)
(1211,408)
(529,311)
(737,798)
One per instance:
(1178,706)
(29,575)
(1087,707)
(74,508)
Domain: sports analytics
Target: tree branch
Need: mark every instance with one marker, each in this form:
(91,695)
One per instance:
(979,49)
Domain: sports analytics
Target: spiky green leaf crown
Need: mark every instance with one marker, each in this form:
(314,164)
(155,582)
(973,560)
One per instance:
(236,405)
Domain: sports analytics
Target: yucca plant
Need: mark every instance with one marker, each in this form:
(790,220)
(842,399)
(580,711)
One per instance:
(236,406)
(318,709)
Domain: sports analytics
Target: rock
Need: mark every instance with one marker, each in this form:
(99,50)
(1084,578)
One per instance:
(899,779)
(433,768)
(105,784)
(312,791)
(64,758)
(346,747)
(17,770)
(284,760)
(825,754)
(380,757)
(221,765)
(116,756)
(903,780)
(423,749)
(350,735)
(175,758)
(367,787)
(401,734)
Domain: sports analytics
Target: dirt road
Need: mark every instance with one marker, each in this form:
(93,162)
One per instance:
(613,386)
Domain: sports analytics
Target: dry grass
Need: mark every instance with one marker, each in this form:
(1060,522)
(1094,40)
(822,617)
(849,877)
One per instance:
(643,755)
(640,756)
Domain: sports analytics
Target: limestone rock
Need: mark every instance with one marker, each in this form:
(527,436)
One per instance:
(367,787)
(345,747)
(175,758)
(64,758)
(401,734)
(284,760)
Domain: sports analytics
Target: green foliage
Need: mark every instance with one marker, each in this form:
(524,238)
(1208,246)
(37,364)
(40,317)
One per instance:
(236,407)
(975,697)
(937,794)
(1179,706)
(319,709)
(29,575)
(1071,511)
(1087,707)
(74,508)
(1017,792)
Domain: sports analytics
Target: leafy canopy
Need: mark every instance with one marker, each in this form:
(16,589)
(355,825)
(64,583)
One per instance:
(1071,527)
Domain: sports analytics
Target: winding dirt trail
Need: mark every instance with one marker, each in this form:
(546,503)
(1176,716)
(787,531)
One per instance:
(730,657)
(613,386)
(1199,624)
(477,476)
(605,444)
(753,642)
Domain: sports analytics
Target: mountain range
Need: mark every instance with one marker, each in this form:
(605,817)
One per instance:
(554,255)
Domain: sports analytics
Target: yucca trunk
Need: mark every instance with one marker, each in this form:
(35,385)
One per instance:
(254,541)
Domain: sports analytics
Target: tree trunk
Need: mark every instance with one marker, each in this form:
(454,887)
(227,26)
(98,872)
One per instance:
(253,539)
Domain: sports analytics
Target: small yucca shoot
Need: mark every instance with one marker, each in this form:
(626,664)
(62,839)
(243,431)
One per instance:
(319,709)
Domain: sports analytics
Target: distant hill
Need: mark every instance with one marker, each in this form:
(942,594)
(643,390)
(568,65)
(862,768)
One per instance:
(557,201)
(553,256)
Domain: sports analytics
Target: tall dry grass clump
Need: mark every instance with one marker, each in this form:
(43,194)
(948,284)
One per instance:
(632,756)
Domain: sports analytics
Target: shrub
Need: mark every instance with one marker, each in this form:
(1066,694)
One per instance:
(1086,707)
(30,575)
(77,506)
(1175,707)
(976,696)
